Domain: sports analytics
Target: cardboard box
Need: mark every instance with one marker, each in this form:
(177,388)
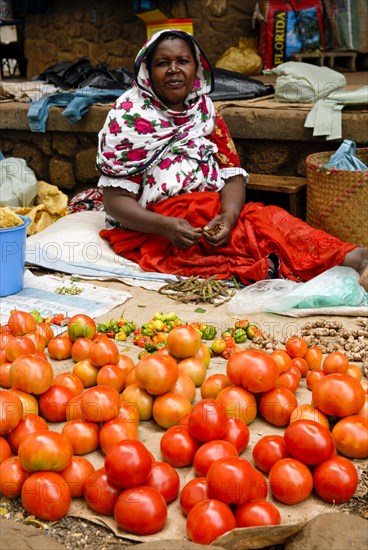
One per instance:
(156,21)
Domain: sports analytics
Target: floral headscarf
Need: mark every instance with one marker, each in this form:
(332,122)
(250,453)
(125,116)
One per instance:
(141,135)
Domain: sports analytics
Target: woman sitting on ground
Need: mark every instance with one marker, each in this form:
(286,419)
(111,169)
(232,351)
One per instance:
(174,190)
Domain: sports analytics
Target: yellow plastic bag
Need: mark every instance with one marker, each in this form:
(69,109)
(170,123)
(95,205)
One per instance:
(243,59)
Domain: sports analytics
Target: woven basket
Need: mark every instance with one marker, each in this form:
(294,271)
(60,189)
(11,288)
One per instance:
(337,201)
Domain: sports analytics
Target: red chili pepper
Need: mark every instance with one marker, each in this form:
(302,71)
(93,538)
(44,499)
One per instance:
(110,333)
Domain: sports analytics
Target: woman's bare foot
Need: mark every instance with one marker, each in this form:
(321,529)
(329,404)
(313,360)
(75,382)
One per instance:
(358,260)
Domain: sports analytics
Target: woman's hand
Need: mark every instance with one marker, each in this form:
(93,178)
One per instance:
(217,232)
(181,233)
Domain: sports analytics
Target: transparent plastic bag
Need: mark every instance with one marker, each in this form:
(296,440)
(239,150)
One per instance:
(345,159)
(337,286)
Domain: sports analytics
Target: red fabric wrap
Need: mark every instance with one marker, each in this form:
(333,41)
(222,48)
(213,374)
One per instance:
(304,252)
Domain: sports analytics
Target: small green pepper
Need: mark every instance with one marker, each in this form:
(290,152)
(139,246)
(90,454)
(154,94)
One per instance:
(239,335)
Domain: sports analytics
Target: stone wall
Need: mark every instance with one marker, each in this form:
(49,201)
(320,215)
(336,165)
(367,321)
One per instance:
(109,32)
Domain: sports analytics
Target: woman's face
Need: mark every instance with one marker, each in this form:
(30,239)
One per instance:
(173,70)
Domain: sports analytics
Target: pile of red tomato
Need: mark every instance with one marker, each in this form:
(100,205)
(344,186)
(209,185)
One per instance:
(106,395)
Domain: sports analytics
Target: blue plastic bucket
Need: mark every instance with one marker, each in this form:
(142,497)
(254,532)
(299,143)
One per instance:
(12,247)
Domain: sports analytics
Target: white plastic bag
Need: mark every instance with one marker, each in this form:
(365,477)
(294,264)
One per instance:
(18,183)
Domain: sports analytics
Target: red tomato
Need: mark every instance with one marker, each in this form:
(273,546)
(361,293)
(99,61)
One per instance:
(194,368)
(76,475)
(21,322)
(71,381)
(169,408)
(178,446)
(86,372)
(131,379)
(268,450)
(5,450)
(208,520)
(354,371)
(128,464)
(194,491)
(28,424)
(282,359)
(100,494)
(237,433)
(259,490)
(296,371)
(37,339)
(313,356)
(81,326)
(255,370)
(156,373)
(11,410)
(301,364)
(288,380)
(125,363)
(185,386)
(12,477)
(183,341)
(364,410)
(277,405)
(54,401)
(335,480)
(308,412)
(46,495)
(231,480)
(165,479)
(60,347)
(141,510)
(139,398)
(103,352)
(45,330)
(204,354)
(83,435)
(73,410)
(29,401)
(338,395)
(212,386)
(129,413)
(208,420)
(290,481)
(114,431)
(31,374)
(209,452)
(45,450)
(100,403)
(296,347)
(5,381)
(111,375)
(238,403)
(335,362)
(351,436)
(80,349)
(309,441)
(257,513)
(313,376)
(19,345)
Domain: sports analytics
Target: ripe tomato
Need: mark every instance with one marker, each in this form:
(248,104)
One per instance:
(185,386)
(165,479)
(255,370)
(100,403)
(29,401)
(296,346)
(194,368)
(71,381)
(194,491)
(301,364)
(81,326)
(351,436)
(313,356)
(208,420)
(338,395)
(37,339)
(73,409)
(103,352)
(31,374)
(114,431)
(335,362)
(178,446)
(257,513)
(169,408)
(12,477)
(21,322)
(288,380)
(100,494)
(28,424)
(86,372)
(277,405)
(125,363)
(209,452)
(290,481)
(308,412)
(60,347)
(11,410)
(309,441)
(268,450)
(282,359)
(128,464)
(45,330)
(76,475)
(5,450)
(129,413)
(111,375)
(237,433)
(140,399)
(313,376)
(19,345)
(259,490)
(238,403)
(83,435)
(45,450)
(231,480)
(354,371)
(141,510)
(53,403)
(183,341)
(46,495)
(335,480)
(5,381)
(203,354)
(212,386)
(156,373)
(208,520)
(80,349)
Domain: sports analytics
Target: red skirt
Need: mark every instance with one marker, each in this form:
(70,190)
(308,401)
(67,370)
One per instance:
(303,251)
